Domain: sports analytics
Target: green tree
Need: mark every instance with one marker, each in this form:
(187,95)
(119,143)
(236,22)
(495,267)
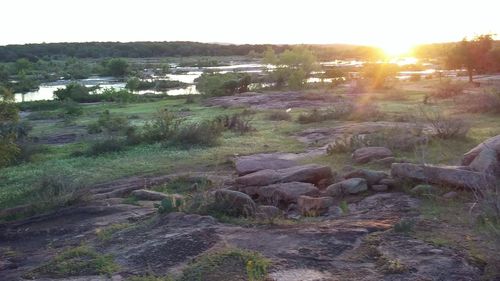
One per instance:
(379,73)
(9,117)
(133,84)
(471,54)
(293,66)
(117,67)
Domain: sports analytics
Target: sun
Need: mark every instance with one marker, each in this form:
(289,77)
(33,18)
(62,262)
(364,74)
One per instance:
(396,49)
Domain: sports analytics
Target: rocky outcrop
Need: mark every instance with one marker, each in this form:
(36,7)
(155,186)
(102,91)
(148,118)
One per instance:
(447,176)
(282,194)
(372,177)
(235,202)
(268,212)
(487,161)
(314,206)
(144,194)
(367,154)
(349,186)
(253,163)
(311,173)
(491,143)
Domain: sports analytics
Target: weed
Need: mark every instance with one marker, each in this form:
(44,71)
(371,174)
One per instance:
(107,233)
(77,261)
(227,264)
(279,116)
(404,226)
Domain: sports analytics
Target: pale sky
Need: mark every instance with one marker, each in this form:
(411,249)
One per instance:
(388,24)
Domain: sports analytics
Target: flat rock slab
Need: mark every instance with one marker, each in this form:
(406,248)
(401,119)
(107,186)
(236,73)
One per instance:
(278,100)
(448,176)
(310,173)
(273,161)
(491,143)
(324,136)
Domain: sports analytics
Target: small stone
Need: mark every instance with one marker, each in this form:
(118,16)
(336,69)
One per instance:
(349,186)
(380,187)
(423,189)
(450,195)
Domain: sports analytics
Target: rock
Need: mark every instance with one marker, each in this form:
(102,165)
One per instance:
(447,176)
(310,173)
(349,186)
(450,195)
(372,177)
(253,163)
(235,202)
(314,206)
(144,194)
(491,143)
(282,194)
(423,189)
(380,187)
(260,178)
(487,161)
(367,154)
(387,162)
(389,182)
(268,212)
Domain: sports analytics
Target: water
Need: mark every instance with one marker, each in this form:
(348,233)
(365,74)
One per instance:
(186,75)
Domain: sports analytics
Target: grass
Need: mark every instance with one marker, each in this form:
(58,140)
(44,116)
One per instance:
(106,234)
(227,264)
(77,261)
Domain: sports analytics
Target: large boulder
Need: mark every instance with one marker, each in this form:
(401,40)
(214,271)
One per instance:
(367,154)
(310,173)
(144,194)
(448,176)
(253,163)
(487,161)
(235,202)
(349,186)
(372,177)
(491,143)
(314,206)
(282,194)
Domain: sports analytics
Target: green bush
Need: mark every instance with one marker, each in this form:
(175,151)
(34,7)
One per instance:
(114,95)
(217,84)
(162,128)
(205,133)
(279,116)
(227,264)
(239,123)
(109,123)
(106,146)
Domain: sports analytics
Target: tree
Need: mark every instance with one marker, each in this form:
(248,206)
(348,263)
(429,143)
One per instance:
(471,54)
(293,66)
(9,117)
(379,73)
(117,67)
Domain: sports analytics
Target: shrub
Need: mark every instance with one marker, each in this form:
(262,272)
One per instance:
(114,95)
(239,123)
(480,103)
(76,92)
(204,133)
(279,116)
(415,77)
(446,127)
(72,108)
(162,128)
(106,146)
(109,123)
(244,265)
(168,205)
(448,89)
(217,84)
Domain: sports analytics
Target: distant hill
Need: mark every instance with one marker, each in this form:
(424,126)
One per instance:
(168,49)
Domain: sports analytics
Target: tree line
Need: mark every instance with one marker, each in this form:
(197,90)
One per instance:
(46,51)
